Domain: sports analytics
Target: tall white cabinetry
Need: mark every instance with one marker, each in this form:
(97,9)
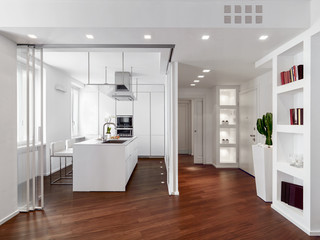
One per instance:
(227,125)
(291,141)
(124,107)
(149,123)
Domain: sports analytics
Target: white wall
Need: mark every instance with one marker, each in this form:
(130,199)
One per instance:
(314,11)
(8,123)
(208,96)
(58,110)
(263,84)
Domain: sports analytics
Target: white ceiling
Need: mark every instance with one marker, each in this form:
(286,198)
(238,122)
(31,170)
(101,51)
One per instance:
(230,53)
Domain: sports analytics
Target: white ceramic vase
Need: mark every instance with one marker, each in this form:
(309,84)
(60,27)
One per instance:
(262,162)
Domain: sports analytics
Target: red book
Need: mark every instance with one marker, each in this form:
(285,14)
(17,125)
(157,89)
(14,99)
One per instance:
(292,116)
(295,72)
(282,78)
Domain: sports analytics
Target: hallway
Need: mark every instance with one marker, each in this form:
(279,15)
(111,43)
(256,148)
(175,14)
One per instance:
(213,204)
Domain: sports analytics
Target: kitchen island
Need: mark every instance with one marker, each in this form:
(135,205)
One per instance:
(99,166)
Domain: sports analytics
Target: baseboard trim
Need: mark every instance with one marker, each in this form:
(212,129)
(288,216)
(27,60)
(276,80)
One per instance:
(175,193)
(7,218)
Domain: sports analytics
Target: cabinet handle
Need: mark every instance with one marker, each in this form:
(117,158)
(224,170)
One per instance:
(252,135)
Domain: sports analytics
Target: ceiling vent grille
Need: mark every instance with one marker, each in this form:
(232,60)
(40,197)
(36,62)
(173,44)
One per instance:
(243,14)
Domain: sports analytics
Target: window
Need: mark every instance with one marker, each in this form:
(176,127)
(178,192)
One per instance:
(74,112)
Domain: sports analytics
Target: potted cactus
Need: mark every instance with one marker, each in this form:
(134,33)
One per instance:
(264,127)
(262,159)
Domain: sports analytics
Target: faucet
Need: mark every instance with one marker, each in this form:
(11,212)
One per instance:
(104,125)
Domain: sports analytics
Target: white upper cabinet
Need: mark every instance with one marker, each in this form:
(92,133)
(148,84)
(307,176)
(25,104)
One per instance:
(124,107)
(142,114)
(157,113)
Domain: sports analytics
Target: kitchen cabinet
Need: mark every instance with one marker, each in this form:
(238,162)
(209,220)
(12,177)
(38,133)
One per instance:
(142,123)
(124,107)
(157,123)
(149,123)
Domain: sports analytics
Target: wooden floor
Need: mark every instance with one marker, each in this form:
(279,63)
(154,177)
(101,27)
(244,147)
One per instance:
(213,204)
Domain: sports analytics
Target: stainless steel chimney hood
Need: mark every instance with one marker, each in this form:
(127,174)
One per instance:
(123,96)
(123,87)
(122,81)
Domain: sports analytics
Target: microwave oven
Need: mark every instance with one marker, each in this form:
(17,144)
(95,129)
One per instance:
(124,121)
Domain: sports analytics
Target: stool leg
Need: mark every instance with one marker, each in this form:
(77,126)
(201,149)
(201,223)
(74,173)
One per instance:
(50,171)
(60,168)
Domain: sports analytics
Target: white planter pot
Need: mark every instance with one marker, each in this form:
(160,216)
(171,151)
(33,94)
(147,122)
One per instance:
(262,162)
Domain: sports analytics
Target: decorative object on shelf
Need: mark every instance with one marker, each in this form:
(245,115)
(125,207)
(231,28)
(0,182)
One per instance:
(264,127)
(262,163)
(296,160)
(225,141)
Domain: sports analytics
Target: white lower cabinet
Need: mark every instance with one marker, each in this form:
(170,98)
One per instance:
(157,146)
(143,145)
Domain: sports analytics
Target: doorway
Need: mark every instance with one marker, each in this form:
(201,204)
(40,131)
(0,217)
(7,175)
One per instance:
(248,115)
(184,128)
(191,128)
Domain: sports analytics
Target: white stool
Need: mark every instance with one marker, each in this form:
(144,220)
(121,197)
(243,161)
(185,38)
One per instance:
(58,149)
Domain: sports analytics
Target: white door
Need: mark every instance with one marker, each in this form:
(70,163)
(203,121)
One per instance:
(184,127)
(198,131)
(247,131)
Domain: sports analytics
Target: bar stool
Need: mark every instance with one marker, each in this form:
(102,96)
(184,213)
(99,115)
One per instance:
(58,150)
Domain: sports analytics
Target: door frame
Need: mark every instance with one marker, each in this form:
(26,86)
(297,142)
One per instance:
(245,91)
(204,124)
(189,124)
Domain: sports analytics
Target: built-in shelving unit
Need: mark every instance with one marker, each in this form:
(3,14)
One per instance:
(227,125)
(297,141)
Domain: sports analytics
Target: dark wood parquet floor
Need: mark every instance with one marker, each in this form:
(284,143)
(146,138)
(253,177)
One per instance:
(213,204)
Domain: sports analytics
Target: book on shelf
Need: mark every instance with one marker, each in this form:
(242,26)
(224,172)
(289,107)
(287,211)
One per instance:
(292,194)
(293,74)
(293,116)
(299,116)
(296,116)
(300,72)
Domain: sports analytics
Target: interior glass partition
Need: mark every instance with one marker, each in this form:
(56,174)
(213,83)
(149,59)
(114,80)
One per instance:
(30,121)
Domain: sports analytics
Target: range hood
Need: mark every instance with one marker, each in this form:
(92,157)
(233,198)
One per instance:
(122,81)
(123,87)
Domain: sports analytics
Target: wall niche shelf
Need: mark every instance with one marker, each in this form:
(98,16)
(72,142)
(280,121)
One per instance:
(227,126)
(293,144)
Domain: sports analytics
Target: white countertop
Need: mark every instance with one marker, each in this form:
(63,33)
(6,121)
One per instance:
(97,142)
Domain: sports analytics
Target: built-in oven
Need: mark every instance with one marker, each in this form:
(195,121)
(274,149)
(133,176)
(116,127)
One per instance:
(125,132)
(124,125)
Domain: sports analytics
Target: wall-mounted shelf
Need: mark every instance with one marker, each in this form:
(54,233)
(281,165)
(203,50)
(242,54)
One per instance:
(297,85)
(227,134)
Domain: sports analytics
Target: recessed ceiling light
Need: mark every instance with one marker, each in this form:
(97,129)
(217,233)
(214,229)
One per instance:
(147,36)
(200,76)
(192,84)
(206,70)
(196,80)
(89,36)
(263,37)
(32,36)
(205,37)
